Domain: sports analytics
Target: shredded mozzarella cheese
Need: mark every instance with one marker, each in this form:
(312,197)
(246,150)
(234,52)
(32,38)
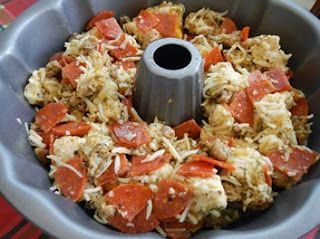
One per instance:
(61,164)
(121,150)
(19,121)
(107,165)
(185,212)
(93,190)
(172,150)
(161,231)
(149,209)
(136,115)
(117,164)
(153,156)
(35,139)
(186,154)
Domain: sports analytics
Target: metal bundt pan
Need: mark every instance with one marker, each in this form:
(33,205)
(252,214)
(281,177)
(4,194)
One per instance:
(42,30)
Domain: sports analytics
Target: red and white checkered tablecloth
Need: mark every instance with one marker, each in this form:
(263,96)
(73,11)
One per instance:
(12,224)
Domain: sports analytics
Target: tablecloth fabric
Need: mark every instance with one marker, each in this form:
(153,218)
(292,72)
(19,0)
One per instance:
(12,224)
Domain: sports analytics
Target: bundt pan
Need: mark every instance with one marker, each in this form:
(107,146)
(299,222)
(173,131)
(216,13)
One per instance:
(42,30)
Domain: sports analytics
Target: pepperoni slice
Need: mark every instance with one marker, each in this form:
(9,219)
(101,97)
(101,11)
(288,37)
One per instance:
(110,186)
(63,60)
(190,36)
(146,21)
(241,108)
(298,163)
(48,140)
(259,86)
(105,14)
(301,108)
(176,229)
(196,169)
(56,57)
(70,73)
(110,176)
(138,225)
(267,176)
(50,115)
(142,168)
(289,74)
(109,28)
(279,80)
(244,34)
(120,39)
(189,127)
(70,183)
(167,205)
(72,128)
(129,199)
(228,26)
(128,102)
(212,58)
(130,134)
(126,65)
(127,51)
(122,51)
(178,233)
(168,25)
(220,164)
(42,155)
(231,142)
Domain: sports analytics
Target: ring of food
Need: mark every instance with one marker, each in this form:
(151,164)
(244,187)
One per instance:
(140,177)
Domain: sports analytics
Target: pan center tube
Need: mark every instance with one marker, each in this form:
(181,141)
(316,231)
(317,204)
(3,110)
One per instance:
(169,82)
(172,57)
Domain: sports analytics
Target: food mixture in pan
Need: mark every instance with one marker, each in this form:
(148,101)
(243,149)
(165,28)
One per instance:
(140,177)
